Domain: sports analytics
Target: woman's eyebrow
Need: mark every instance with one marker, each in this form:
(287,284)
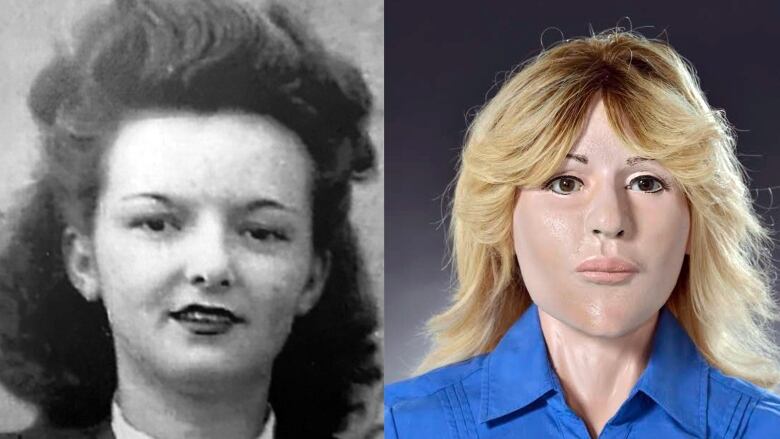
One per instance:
(159,198)
(267,203)
(631,161)
(258,204)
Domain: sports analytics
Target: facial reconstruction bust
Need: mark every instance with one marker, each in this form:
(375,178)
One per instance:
(612,274)
(604,202)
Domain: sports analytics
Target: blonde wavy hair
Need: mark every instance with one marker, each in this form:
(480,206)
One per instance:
(723,297)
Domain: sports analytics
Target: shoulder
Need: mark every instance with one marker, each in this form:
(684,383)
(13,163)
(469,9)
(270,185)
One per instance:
(418,404)
(765,419)
(100,431)
(738,408)
(429,383)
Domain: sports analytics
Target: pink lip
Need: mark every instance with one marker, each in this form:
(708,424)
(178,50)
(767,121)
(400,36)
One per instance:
(603,270)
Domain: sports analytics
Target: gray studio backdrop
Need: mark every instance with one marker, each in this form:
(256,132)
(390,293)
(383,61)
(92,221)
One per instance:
(28,33)
(442,59)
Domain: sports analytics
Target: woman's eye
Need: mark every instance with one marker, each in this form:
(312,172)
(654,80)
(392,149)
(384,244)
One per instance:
(564,185)
(155,225)
(265,235)
(646,183)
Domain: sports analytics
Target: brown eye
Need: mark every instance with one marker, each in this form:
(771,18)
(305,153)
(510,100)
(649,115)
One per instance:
(564,185)
(647,184)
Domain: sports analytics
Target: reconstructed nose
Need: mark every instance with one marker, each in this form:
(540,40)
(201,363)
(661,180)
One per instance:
(209,265)
(608,214)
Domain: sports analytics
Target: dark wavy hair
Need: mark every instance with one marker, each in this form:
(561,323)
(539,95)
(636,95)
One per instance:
(203,56)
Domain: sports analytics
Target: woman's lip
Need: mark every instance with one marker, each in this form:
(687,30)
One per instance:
(201,327)
(206,310)
(205,321)
(607,277)
(613,265)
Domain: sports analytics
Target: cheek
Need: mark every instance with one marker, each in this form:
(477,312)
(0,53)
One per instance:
(274,285)
(544,238)
(665,226)
(666,235)
(273,290)
(132,273)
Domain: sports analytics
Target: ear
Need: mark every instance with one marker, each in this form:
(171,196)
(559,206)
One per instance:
(79,256)
(320,269)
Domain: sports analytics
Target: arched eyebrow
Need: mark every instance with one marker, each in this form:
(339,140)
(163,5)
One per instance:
(631,161)
(267,203)
(159,198)
(259,204)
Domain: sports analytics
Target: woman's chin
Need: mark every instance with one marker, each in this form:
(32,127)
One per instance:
(215,362)
(209,369)
(204,354)
(602,318)
(612,321)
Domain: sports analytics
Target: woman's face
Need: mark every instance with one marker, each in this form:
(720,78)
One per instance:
(202,243)
(601,246)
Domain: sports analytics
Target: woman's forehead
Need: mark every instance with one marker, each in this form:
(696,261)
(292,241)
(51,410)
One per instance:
(599,142)
(216,156)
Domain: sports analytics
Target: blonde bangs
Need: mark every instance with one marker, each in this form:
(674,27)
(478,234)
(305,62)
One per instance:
(654,103)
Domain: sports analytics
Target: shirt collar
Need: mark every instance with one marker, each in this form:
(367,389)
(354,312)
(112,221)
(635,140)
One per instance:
(522,348)
(675,377)
(123,430)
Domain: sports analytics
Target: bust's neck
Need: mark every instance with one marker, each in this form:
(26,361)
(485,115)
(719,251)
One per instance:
(597,373)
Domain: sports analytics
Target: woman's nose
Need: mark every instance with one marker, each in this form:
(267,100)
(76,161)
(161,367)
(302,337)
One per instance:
(209,265)
(608,213)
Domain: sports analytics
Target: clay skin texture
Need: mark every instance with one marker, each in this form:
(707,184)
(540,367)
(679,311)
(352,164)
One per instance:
(597,332)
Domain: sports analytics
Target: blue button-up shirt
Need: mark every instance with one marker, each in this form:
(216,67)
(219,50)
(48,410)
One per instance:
(513,392)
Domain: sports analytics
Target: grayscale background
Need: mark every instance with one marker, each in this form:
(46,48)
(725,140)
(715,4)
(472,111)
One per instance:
(28,33)
(443,57)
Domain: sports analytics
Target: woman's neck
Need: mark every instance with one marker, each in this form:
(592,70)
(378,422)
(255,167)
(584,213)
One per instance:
(207,411)
(597,373)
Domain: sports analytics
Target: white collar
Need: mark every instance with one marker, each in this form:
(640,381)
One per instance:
(123,430)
